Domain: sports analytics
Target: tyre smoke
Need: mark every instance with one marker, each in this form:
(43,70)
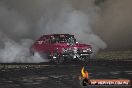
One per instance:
(18,32)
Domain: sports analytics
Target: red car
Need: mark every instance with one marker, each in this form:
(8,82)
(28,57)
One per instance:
(61,47)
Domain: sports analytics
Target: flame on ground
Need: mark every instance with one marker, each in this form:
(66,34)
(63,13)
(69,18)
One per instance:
(84,73)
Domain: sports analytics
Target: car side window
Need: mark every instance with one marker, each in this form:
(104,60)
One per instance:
(40,42)
(46,41)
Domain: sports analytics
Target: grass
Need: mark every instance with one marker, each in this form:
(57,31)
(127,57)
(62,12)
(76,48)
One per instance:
(114,55)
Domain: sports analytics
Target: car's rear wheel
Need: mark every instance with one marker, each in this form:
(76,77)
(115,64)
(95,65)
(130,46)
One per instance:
(41,54)
(32,53)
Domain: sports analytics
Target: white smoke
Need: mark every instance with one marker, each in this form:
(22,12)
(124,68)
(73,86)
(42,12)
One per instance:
(69,20)
(16,33)
(18,52)
(14,27)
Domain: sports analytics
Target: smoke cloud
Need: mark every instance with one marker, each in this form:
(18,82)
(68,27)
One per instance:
(13,27)
(114,24)
(18,31)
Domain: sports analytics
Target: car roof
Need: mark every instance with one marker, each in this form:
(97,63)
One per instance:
(57,34)
(49,35)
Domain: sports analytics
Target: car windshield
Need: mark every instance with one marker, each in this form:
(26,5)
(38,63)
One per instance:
(63,39)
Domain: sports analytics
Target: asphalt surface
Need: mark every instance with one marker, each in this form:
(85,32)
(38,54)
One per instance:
(47,75)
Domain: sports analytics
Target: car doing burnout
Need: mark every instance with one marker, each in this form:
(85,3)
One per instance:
(60,47)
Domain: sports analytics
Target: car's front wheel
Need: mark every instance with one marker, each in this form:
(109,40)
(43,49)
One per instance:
(85,58)
(59,60)
(56,58)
